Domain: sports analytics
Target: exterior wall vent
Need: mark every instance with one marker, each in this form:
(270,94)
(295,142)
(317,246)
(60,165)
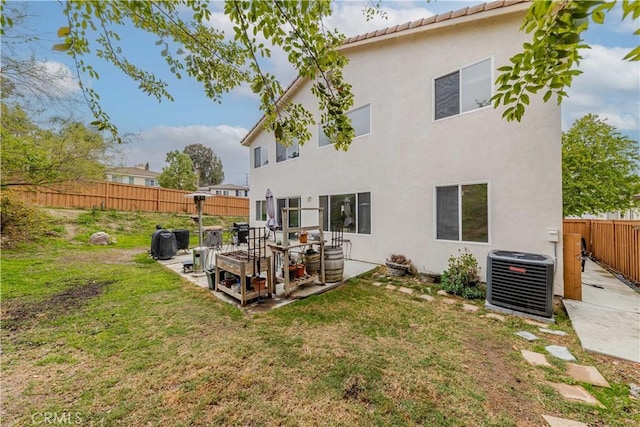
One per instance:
(521,282)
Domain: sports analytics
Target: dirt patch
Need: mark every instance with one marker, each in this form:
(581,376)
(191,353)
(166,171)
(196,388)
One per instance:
(504,384)
(17,316)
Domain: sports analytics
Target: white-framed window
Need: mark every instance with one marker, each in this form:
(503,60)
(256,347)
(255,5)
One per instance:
(131,180)
(360,120)
(261,210)
(260,156)
(284,153)
(350,212)
(466,89)
(150,182)
(462,212)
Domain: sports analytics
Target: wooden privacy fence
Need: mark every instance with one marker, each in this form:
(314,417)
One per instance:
(615,243)
(126,197)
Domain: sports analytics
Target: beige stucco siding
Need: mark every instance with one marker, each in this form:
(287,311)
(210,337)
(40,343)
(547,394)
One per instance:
(407,153)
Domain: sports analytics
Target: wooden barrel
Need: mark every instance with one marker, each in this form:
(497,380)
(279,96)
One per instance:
(333,264)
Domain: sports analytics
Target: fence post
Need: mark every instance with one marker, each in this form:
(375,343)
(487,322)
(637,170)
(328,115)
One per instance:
(106,195)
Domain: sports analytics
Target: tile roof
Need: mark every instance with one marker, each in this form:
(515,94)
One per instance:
(466,11)
(447,16)
(133,171)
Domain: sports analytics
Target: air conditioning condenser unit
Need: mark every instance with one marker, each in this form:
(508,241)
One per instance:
(521,282)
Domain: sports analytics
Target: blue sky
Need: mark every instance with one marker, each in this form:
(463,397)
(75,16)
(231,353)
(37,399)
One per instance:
(609,86)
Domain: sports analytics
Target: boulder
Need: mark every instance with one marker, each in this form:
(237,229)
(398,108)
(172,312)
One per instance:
(99,238)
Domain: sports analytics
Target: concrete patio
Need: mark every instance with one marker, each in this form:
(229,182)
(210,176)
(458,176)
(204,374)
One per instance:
(352,268)
(607,320)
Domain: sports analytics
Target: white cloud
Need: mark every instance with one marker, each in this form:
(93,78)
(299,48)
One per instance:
(348,17)
(608,87)
(55,78)
(153,145)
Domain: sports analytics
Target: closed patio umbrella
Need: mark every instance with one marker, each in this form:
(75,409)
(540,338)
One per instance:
(272,222)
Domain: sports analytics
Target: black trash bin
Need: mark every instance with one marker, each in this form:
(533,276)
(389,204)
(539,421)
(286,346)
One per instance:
(242,230)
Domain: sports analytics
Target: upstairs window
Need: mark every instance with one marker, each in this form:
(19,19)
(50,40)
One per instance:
(285,153)
(360,120)
(463,90)
(260,156)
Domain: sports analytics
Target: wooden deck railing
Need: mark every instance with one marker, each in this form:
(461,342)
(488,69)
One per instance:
(125,197)
(615,243)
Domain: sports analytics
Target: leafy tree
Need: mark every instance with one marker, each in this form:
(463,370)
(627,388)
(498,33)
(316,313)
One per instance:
(179,174)
(34,84)
(208,165)
(549,61)
(599,168)
(33,156)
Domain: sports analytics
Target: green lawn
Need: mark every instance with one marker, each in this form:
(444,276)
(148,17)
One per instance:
(112,337)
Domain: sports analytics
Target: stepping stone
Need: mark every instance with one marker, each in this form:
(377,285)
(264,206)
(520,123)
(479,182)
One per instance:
(377,284)
(576,392)
(443,293)
(405,290)
(534,358)
(429,298)
(634,391)
(562,422)
(560,352)
(526,335)
(495,316)
(470,307)
(535,323)
(553,331)
(391,287)
(448,301)
(587,374)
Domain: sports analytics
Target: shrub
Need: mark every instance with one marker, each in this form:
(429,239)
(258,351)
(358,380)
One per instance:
(22,223)
(461,278)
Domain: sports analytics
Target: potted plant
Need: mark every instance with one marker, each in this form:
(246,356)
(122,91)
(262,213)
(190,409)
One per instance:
(398,264)
(302,236)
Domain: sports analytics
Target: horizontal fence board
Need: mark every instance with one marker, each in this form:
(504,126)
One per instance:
(615,243)
(128,197)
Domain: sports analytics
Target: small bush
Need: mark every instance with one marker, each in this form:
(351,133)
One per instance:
(461,278)
(22,223)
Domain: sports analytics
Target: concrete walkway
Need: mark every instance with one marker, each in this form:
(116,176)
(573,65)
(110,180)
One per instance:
(607,320)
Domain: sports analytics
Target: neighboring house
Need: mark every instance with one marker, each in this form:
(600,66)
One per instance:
(136,175)
(631,214)
(227,190)
(434,169)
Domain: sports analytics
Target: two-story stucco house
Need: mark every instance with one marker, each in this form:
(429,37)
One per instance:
(434,169)
(136,175)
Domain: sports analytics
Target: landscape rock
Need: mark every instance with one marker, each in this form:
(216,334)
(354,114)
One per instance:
(100,238)
(427,297)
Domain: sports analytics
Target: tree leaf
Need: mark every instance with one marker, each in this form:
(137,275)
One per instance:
(63,31)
